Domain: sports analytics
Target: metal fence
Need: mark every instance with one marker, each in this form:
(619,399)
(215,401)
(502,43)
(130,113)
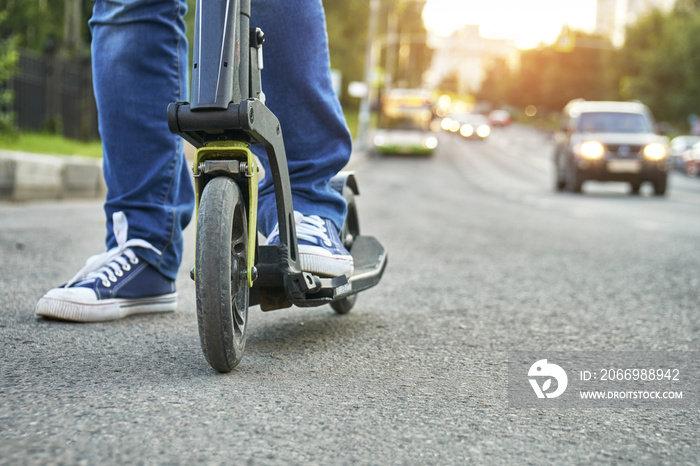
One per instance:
(55,94)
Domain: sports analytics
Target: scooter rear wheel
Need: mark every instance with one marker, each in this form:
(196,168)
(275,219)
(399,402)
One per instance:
(350,230)
(220,273)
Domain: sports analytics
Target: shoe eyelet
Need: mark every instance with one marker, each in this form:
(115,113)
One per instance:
(135,260)
(106,283)
(118,273)
(113,279)
(126,267)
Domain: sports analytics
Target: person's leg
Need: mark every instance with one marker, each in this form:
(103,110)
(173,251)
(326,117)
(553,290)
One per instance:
(140,65)
(298,86)
(297,83)
(139,54)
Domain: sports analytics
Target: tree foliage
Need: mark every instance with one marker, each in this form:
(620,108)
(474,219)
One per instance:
(549,77)
(39,25)
(658,65)
(347,24)
(496,88)
(660,61)
(8,62)
(411,55)
(33,23)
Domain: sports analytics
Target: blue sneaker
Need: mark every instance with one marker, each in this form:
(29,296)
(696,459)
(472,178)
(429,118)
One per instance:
(320,250)
(112,285)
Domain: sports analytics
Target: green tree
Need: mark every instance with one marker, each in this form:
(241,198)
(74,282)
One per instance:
(551,76)
(8,64)
(34,23)
(39,25)
(411,55)
(346,23)
(687,6)
(347,34)
(402,51)
(659,61)
(496,87)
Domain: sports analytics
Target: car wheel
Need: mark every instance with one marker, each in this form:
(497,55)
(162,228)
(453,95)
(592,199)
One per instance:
(574,180)
(660,185)
(559,184)
(636,186)
(559,179)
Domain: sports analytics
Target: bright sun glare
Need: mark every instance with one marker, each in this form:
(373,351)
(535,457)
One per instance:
(528,22)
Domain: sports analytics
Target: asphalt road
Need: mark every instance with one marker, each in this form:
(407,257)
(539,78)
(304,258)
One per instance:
(485,259)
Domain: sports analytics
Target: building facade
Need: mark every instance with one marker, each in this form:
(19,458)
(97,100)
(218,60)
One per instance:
(466,54)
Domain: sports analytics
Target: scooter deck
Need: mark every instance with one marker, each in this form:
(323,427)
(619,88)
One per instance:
(370,259)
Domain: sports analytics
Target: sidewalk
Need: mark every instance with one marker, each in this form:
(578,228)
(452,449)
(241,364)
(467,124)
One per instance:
(30,177)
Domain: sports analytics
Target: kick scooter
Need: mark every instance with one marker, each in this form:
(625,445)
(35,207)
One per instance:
(227,114)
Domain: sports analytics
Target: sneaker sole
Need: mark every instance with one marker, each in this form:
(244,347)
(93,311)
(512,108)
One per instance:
(325,265)
(105,310)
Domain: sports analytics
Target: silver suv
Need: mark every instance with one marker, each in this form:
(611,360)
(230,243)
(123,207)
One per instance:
(610,141)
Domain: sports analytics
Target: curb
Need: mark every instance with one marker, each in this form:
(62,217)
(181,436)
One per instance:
(29,177)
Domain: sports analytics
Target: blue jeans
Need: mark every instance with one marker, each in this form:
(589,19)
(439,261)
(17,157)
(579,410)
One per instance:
(140,65)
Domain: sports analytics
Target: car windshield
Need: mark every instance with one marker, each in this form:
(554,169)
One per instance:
(611,122)
(406,121)
(405,109)
(470,118)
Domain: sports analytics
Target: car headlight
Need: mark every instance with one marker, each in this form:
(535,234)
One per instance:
(483,131)
(379,140)
(430,142)
(592,150)
(466,130)
(655,151)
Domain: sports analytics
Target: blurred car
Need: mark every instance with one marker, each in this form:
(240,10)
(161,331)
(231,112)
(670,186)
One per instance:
(404,124)
(500,118)
(680,150)
(449,124)
(470,125)
(691,161)
(404,142)
(610,141)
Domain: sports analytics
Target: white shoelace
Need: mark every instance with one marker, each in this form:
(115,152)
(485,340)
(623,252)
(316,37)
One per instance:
(111,264)
(309,228)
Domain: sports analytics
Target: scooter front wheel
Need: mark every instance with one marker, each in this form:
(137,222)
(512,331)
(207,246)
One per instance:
(220,273)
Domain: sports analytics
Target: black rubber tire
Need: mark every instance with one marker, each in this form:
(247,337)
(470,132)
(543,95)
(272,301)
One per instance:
(350,230)
(635,187)
(559,182)
(660,185)
(574,181)
(220,273)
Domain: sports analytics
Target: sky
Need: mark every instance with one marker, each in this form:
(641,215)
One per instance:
(528,22)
